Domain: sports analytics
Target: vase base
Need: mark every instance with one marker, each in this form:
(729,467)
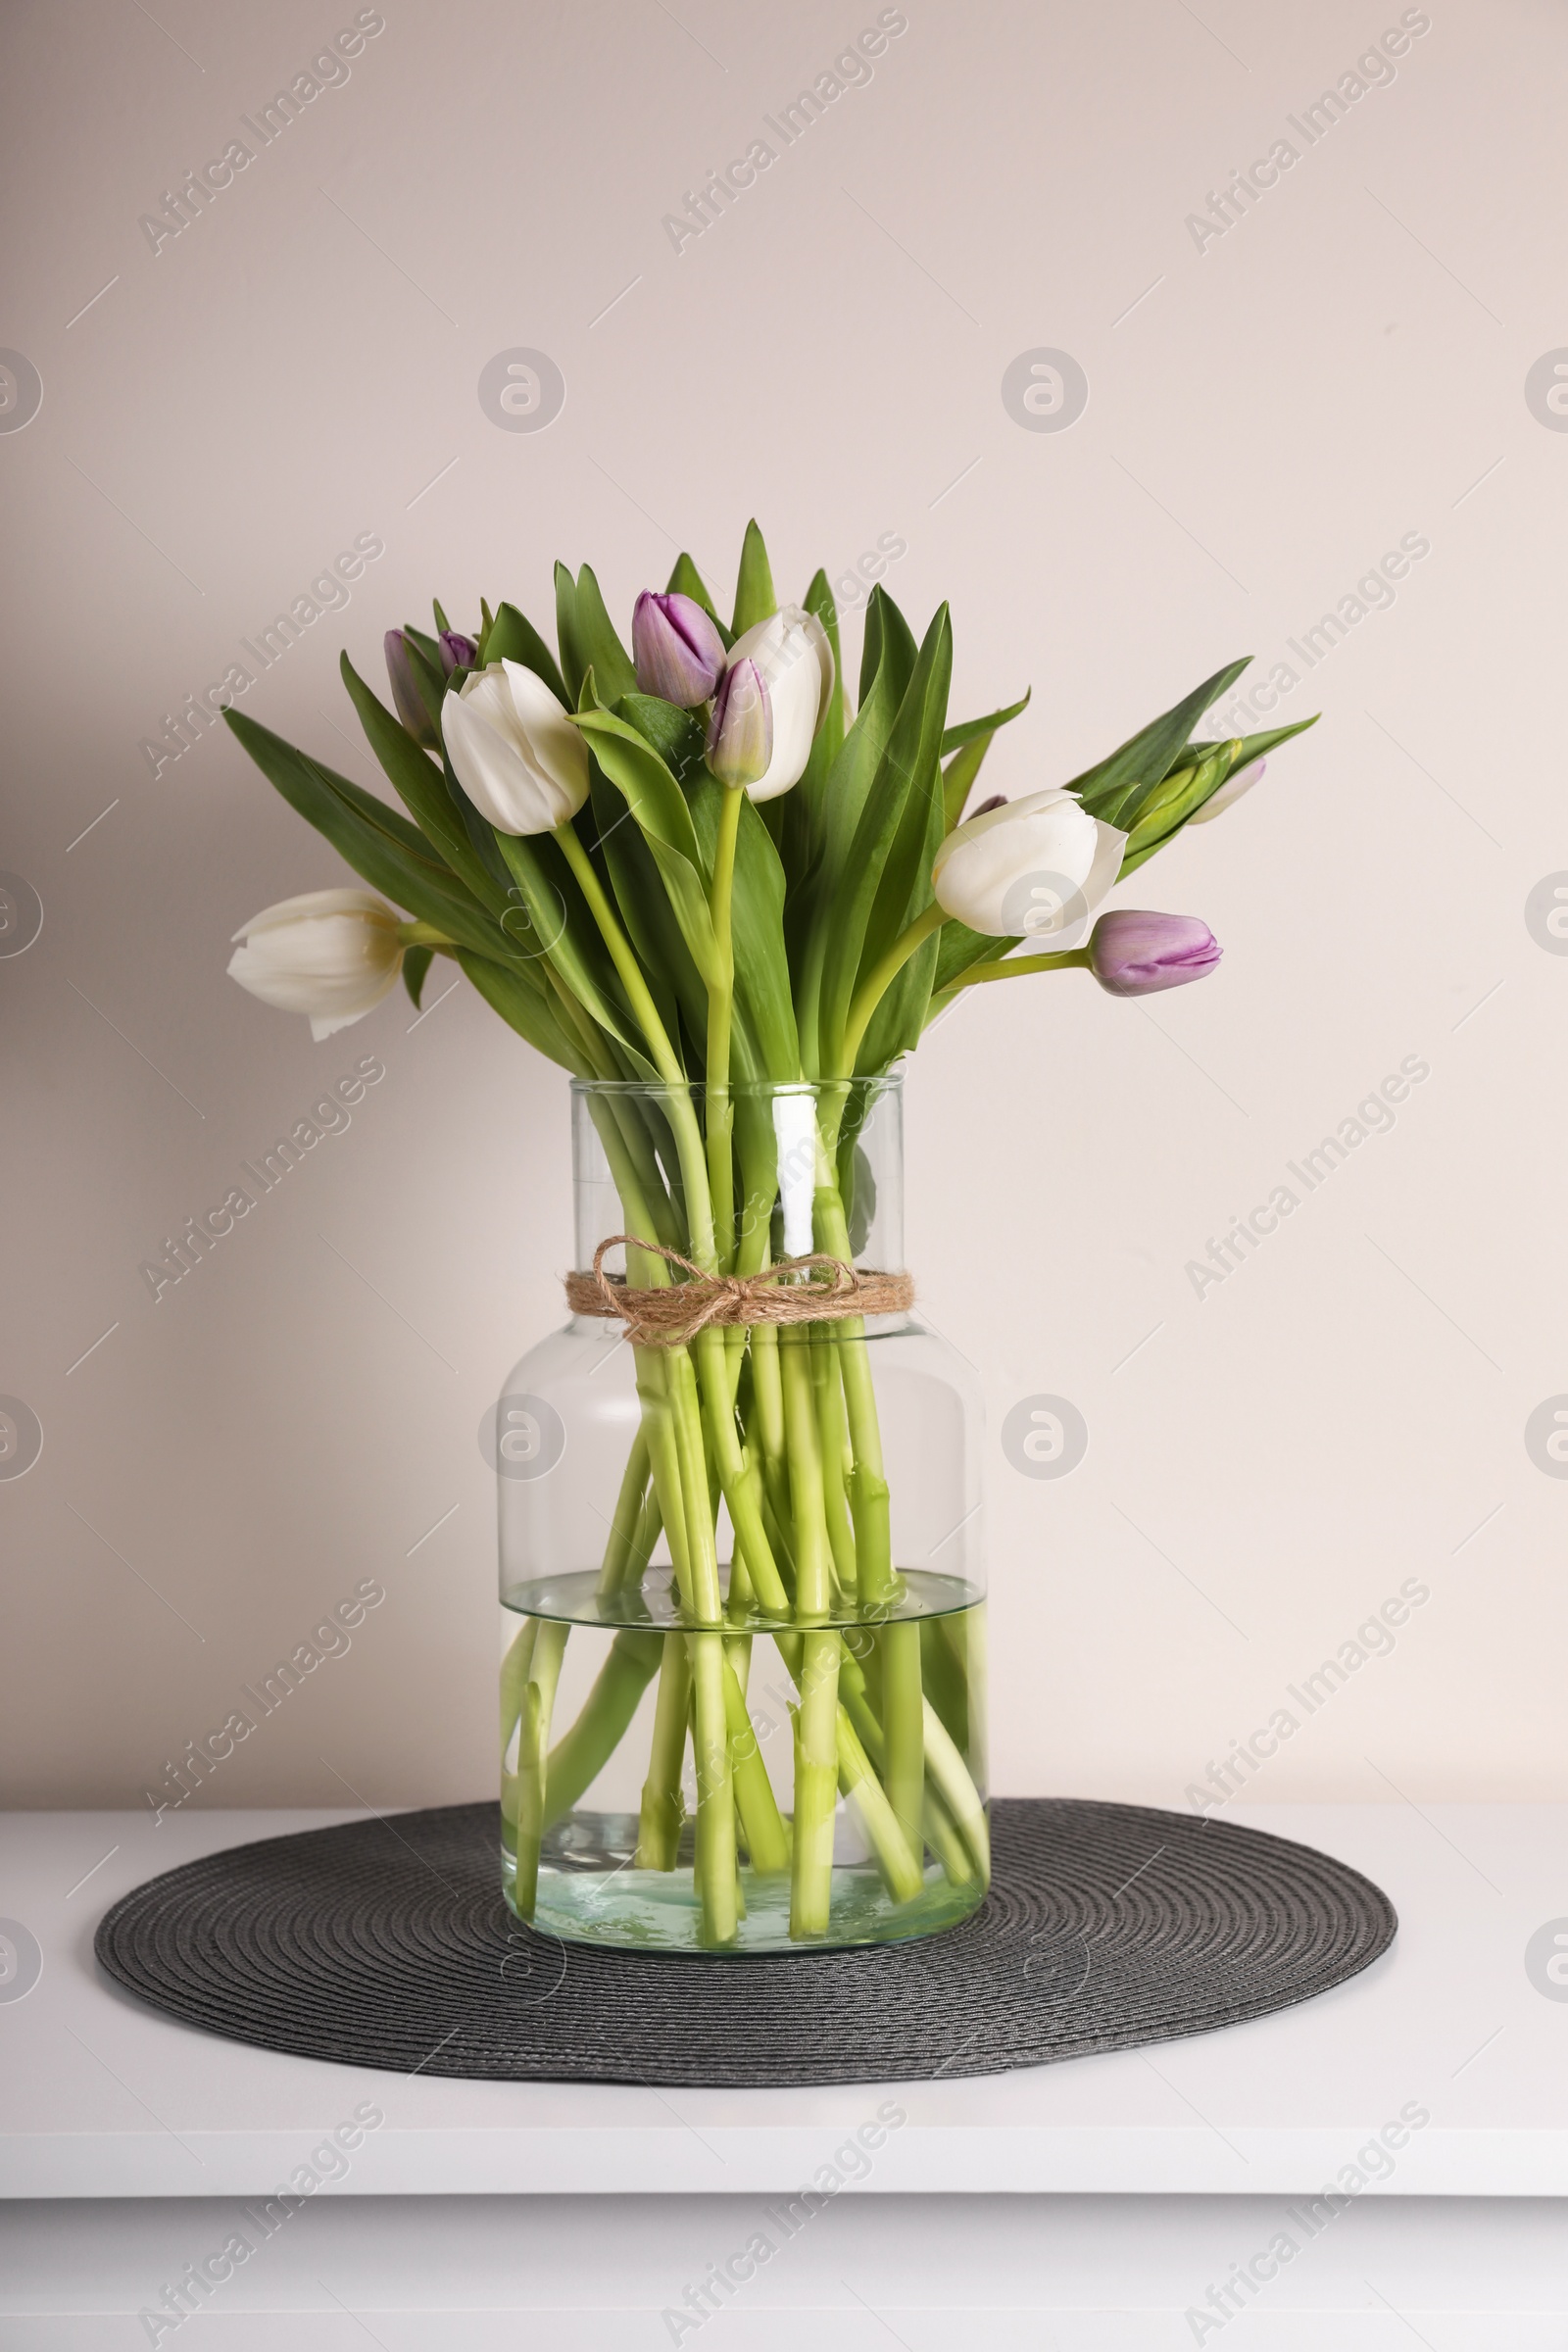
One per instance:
(590,1891)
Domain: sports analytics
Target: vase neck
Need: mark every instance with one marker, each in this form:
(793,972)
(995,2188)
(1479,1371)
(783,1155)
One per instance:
(811,1168)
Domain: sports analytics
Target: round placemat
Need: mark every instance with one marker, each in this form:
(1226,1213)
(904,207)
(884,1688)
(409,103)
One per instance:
(386,1943)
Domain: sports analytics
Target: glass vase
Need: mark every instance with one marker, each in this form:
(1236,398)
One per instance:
(742,1590)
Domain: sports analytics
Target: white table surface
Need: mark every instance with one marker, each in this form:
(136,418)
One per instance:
(103,2097)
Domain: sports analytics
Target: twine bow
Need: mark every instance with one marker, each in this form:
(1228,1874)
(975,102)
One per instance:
(673,1313)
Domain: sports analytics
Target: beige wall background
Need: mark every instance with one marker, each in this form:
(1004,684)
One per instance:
(1271,411)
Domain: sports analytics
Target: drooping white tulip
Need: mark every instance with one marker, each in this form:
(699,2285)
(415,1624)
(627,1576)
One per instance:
(1038,869)
(792,652)
(332,953)
(514,751)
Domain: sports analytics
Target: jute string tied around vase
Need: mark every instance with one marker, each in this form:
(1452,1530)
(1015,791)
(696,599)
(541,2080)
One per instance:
(672,1314)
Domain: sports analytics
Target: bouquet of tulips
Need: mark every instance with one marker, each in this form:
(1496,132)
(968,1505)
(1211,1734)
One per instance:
(701,864)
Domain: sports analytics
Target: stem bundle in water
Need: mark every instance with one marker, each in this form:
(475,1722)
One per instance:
(768,1436)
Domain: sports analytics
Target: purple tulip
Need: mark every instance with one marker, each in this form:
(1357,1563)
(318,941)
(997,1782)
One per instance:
(457,652)
(740,735)
(406,693)
(998,800)
(1136,954)
(678,651)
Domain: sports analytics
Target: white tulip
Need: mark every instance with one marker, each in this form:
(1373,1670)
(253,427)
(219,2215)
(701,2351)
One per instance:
(514,749)
(332,953)
(791,649)
(1039,867)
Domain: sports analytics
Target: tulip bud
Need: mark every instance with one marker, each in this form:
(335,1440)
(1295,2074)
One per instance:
(678,651)
(1229,792)
(740,734)
(791,649)
(1035,868)
(332,953)
(405,692)
(1137,954)
(514,749)
(457,652)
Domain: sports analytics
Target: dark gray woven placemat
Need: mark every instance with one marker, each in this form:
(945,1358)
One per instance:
(387,1944)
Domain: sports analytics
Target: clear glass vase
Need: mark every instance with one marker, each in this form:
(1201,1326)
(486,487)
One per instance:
(768,1734)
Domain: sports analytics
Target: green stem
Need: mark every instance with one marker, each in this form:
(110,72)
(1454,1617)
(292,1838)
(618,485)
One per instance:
(904,1724)
(620,1548)
(720,1011)
(816,1755)
(534,1744)
(937,1823)
(740,1483)
(716,1792)
(868,1486)
(897,1856)
(515,1668)
(631,971)
(1012,968)
(880,978)
(767,1836)
(817,1783)
(716,1800)
(578,1759)
(813,1559)
(658,1824)
(688,1133)
(950,1777)
(837,1462)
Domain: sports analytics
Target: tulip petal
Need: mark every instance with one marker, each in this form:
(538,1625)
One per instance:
(1138,954)
(740,734)
(333,955)
(514,751)
(405,695)
(317,902)
(792,650)
(678,650)
(1024,870)
(1229,793)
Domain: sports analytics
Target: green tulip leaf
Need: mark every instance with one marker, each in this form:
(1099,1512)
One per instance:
(568,638)
(954,738)
(1117,788)
(887,873)
(1163,820)
(513,637)
(638,890)
(957,778)
(415,963)
(601,650)
(958,947)
(1255,747)
(887,642)
(555,922)
(360,829)
(528,1012)
(659,808)
(687,580)
(425,792)
(764,998)
(754,595)
(677,736)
